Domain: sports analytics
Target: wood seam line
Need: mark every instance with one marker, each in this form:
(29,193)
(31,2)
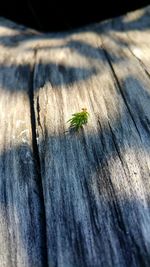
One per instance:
(120,89)
(36,158)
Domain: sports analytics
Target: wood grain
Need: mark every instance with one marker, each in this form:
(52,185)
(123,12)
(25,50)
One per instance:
(95,181)
(21,209)
(75,199)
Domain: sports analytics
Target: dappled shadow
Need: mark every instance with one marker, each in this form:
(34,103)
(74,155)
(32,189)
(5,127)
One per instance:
(21,211)
(141,22)
(96,184)
(82,48)
(96,187)
(13,77)
(59,74)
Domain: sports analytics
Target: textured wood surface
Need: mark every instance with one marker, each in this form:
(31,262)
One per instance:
(75,199)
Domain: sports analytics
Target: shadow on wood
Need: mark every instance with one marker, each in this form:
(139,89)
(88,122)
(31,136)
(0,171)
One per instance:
(71,200)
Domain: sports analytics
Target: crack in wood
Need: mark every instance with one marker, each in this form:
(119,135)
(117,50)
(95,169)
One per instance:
(38,114)
(37,164)
(120,89)
(115,144)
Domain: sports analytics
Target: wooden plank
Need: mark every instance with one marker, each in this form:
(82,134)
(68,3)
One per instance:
(22,242)
(96,182)
(139,36)
(134,84)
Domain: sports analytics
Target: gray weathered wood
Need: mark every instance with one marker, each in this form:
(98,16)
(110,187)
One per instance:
(21,229)
(92,187)
(96,183)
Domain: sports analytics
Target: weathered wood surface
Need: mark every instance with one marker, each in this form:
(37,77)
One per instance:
(21,207)
(75,199)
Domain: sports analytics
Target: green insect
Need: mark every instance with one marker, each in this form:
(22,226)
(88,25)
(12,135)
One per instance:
(79,119)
